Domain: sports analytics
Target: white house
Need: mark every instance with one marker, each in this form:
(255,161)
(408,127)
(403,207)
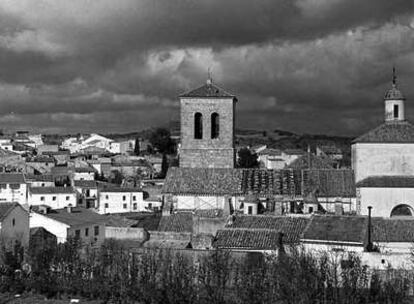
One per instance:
(84,173)
(76,222)
(121,200)
(13,188)
(54,197)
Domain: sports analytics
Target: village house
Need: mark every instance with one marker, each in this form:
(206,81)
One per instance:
(121,200)
(87,193)
(54,197)
(84,173)
(70,222)
(6,142)
(41,164)
(14,226)
(13,188)
(47,149)
(41,180)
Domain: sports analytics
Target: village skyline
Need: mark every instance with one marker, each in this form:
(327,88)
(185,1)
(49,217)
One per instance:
(319,67)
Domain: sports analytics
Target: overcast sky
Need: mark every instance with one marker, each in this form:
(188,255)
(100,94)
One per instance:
(314,66)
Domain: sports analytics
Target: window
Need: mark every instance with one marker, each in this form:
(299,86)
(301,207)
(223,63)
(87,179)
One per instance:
(198,125)
(15,186)
(86,231)
(42,185)
(77,233)
(53,198)
(67,198)
(250,210)
(125,206)
(215,125)
(134,198)
(13,222)
(106,205)
(395,111)
(96,228)
(135,206)
(124,198)
(42,198)
(149,205)
(310,209)
(106,197)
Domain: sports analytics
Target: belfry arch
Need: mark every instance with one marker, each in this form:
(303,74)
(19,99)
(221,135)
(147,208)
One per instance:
(402,210)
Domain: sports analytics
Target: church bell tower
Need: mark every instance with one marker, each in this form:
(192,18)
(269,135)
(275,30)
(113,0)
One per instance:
(207,127)
(394,102)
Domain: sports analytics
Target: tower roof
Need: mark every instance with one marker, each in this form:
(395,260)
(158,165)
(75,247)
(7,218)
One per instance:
(208,90)
(394,93)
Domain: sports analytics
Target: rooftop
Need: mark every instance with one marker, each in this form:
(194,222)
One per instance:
(387,182)
(39,178)
(389,132)
(77,216)
(85,184)
(52,190)
(13,178)
(6,208)
(208,90)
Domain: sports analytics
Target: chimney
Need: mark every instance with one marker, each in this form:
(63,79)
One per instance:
(69,208)
(339,209)
(369,246)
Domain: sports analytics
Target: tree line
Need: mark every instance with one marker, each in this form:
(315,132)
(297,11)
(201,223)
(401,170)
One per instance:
(115,274)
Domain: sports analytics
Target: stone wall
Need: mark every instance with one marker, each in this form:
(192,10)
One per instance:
(207,152)
(126,233)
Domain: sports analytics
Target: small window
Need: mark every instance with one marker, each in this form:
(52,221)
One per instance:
(15,186)
(310,209)
(67,198)
(42,198)
(96,228)
(106,197)
(13,222)
(135,206)
(395,111)
(124,198)
(106,205)
(125,206)
(149,205)
(215,125)
(43,184)
(198,125)
(77,233)
(134,198)
(54,198)
(250,210)
(86,231)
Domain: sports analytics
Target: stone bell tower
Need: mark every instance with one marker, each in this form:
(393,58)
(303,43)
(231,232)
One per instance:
(394,102)
(207,127)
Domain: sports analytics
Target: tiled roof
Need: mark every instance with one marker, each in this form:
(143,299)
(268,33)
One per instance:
(271,152)
(231,181)
(394,94)
(118,189)
(177,222)
(52,190)
(85,184)
(42,159)
(389,132)
(332,228)
(209,90)
(392,230)
(387,182)
(39,178)
(260,239)
(310,161)
(116,220)
(13,178)
(78,216)
(84,170)
(329,183)
(148,221)
(6,208)
(291,227)
(294,151)
(57,170)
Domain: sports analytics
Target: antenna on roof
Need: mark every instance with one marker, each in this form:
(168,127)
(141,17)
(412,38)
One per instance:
(209,78)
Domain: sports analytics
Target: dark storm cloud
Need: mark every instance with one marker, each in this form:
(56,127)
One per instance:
(283,58)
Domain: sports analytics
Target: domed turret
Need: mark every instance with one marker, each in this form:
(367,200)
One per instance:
(394,102)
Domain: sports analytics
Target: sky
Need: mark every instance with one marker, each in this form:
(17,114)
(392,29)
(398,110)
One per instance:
(308,66)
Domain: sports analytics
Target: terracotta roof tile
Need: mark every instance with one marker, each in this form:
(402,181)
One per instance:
(259,239)
(389,132)
(329,183)
(208,90)
(387,182)
(177,222)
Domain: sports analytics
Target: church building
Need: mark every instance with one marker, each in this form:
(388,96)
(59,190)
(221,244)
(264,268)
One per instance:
(383,162)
